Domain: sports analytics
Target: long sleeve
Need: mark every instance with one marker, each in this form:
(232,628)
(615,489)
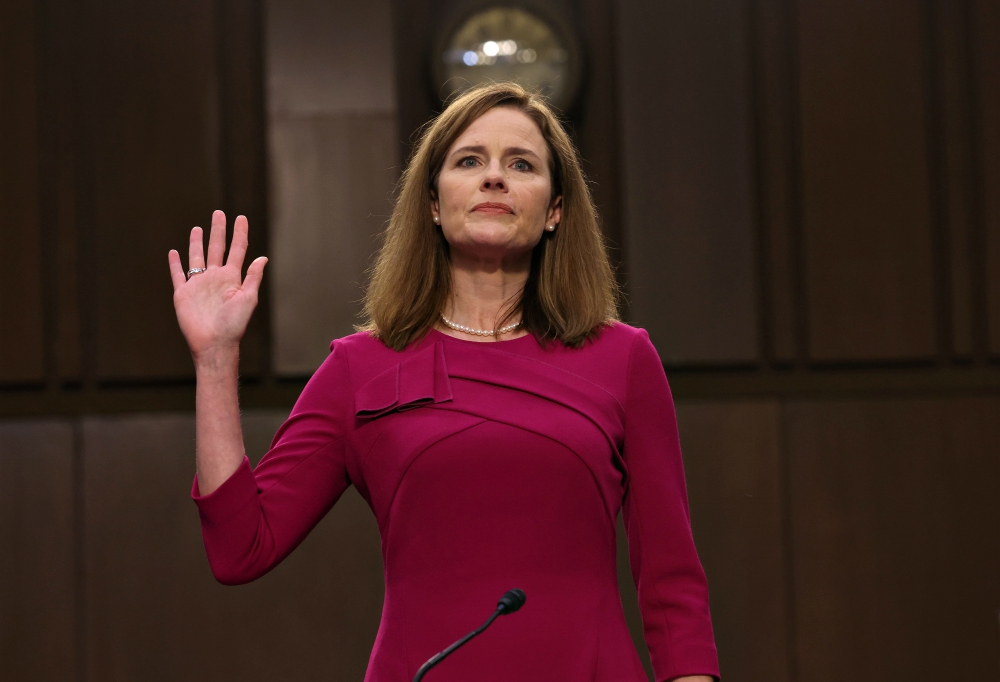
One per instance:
(257,517)
(673,591)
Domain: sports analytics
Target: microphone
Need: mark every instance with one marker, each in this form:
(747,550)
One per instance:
(510,602)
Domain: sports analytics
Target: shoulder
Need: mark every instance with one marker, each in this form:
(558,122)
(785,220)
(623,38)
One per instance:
(616,331)
(618,337)
(360,344)
(366,355)
(636,344)
(604,359)
(632,352)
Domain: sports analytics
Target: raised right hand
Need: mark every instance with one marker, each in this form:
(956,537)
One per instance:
(214,307)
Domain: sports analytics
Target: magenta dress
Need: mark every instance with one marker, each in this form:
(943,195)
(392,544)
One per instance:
(490,466)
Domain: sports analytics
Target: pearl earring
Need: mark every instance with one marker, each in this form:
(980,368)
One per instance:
(551,228)
(436,220)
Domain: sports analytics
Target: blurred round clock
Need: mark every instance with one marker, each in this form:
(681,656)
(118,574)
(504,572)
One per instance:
(503,43)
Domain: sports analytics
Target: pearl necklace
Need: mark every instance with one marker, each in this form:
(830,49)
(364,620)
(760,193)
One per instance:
(480,332)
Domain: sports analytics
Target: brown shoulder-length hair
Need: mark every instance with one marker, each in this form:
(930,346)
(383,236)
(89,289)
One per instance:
(570,291)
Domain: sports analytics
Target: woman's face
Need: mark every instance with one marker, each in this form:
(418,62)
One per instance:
(494,192)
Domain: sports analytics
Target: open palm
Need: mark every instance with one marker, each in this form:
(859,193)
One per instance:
(214,307)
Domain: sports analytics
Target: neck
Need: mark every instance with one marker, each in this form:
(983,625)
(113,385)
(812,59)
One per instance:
(481,293)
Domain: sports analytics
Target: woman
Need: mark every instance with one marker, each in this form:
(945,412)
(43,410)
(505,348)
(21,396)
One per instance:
(493,412)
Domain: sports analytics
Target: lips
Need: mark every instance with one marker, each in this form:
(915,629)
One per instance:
(492,207)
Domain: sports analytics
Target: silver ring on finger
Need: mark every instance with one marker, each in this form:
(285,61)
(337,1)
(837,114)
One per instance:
(195,271)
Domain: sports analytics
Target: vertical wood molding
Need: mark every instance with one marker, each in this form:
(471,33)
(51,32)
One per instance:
(84,202)
(49,129)
(79,502)
(985,20)
(68,341)
(936,141)
(800,295)
(951,33)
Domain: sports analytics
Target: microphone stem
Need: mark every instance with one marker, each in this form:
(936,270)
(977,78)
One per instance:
(441,656)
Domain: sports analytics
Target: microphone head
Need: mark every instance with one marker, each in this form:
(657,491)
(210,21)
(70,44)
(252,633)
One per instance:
(511,601)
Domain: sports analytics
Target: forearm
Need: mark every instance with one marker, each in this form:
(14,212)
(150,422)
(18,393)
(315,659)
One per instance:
(693,678)
(218,433)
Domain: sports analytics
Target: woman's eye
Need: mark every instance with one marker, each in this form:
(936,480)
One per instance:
(468,162)
(522,165)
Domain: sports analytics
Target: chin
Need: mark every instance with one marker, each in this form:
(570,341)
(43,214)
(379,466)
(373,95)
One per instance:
(490,246)
(489,235)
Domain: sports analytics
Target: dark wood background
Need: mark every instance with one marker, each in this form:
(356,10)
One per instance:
(803,197)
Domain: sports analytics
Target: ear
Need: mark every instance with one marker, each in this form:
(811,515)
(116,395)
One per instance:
(435,208)
(554,215)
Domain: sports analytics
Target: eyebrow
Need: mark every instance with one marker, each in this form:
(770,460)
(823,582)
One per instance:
(510,151)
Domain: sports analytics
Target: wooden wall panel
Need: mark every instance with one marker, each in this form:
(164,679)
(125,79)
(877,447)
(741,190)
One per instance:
(37,568)
(154,611)
(333,166)
(688,205)
(866,212)
(333,179)
(895,516)
(951,41)
(147,95)
(734,473)
(985,20)
(313,49)
(21,316)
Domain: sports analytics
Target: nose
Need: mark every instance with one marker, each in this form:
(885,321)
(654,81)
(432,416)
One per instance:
(494,179)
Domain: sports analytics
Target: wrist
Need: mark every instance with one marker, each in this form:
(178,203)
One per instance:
(221,358)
